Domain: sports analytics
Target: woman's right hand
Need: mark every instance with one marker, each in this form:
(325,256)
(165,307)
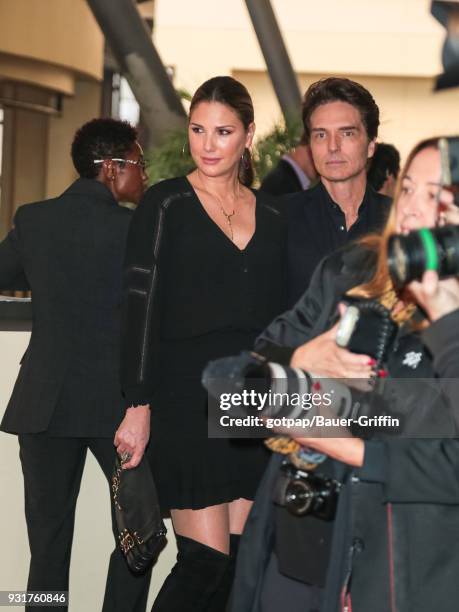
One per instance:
(322,356)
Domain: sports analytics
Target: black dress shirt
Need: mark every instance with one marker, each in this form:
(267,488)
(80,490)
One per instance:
(317,227)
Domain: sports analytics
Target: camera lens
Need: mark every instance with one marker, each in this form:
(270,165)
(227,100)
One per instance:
(425,249)
(299,497)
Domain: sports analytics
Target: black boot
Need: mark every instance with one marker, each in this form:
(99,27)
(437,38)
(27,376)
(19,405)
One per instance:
(194,578)
(219,600)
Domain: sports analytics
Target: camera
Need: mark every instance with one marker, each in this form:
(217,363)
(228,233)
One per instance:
(249,371)
(430,249)
(424,249)
(306,493)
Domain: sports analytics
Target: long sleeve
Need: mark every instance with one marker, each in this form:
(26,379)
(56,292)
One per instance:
(443,342)
(12,274)
(420,470)
(309,317)
(414,471)
(140,308)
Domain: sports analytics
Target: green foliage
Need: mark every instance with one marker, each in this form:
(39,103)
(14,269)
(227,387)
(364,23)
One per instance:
(173,157)
(184,94)
(271,147)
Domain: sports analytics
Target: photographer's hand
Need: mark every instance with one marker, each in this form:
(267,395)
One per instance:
(437,297)
(448,212)
(324,357)
(347,450)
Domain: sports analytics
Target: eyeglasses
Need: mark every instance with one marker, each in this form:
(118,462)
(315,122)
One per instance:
(134,162)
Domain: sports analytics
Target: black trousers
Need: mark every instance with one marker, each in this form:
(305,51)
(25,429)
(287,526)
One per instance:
(52,469)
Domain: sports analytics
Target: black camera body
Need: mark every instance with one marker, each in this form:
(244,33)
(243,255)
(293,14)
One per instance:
(306,493)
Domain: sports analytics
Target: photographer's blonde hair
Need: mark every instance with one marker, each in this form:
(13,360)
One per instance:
(380,287)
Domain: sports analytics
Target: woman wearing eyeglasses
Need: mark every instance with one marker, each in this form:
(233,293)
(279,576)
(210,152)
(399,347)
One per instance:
(124,176)
(204,275)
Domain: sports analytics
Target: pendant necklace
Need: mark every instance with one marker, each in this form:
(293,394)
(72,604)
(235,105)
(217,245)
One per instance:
(228,219)
(228,215)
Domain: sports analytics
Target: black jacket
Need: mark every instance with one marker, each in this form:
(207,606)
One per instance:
(398,514)
(71,250)
(281,180)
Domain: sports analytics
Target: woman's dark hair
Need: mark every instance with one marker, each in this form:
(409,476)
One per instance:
(385,162)
(100,139)
(335,89)
(228,91)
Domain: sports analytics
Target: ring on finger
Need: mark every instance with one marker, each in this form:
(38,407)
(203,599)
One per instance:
(125,457)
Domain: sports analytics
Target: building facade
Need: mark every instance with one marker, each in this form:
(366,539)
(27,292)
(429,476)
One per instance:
(393,47)
(51,65)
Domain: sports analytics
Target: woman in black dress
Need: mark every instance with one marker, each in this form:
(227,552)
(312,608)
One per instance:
(205,274)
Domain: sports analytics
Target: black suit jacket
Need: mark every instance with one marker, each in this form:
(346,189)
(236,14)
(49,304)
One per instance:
(71,250)
(281,180)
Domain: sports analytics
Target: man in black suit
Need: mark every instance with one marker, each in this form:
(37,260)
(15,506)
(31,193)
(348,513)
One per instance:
(67,396)
(341,120)
(294,172)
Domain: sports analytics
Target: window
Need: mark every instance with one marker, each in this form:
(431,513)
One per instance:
(128,108)
(123,103)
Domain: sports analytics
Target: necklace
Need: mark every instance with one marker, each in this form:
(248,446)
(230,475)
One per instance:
(229,215)
(228,219)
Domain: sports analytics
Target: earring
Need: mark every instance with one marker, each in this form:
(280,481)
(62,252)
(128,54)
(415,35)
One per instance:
(184,149)
(246,158)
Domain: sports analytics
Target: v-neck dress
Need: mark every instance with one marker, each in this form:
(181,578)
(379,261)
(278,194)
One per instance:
(213,300)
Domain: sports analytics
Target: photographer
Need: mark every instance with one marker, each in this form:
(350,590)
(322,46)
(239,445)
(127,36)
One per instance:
(389,547)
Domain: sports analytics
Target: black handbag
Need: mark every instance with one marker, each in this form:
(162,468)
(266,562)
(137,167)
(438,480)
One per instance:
(141,531)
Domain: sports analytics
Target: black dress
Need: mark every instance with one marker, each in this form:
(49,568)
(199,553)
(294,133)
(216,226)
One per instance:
(211,299)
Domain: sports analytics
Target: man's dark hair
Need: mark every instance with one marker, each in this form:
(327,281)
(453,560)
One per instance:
(385,162)
(100,139)
(336,89)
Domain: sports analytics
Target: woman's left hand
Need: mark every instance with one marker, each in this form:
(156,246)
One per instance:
(437,297)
